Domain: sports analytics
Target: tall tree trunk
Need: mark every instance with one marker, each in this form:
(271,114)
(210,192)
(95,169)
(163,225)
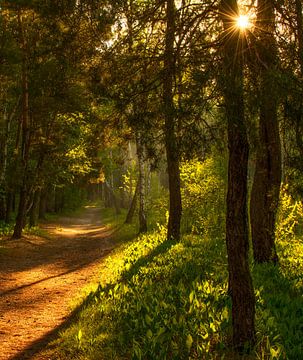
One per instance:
(20,220)
(171,144)
(141,182)
(237,234)
(4,137)
(3,163)
(267,177)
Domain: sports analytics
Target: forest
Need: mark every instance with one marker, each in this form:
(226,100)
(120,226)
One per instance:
(165,138)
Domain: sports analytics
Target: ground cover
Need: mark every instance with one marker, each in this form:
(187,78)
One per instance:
(166,300)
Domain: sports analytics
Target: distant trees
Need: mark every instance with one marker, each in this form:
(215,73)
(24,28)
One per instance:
(40,97)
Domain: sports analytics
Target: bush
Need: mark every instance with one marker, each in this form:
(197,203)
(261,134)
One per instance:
(203,196)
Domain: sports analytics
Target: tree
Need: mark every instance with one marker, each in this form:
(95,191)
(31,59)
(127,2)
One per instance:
(267,178)
(237,235)
(171,144)
(141,183)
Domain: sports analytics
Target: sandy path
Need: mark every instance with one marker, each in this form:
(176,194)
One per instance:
(39,277)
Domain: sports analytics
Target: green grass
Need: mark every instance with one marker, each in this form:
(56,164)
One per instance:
(6,229)
(164,300)
(159,299)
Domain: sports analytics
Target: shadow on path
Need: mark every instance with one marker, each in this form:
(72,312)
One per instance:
(39,277)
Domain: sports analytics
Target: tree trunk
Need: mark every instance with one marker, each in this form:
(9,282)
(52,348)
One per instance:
(112,197)
(267,177)
(300,33)
(10,201)
(21,214)
(132,208)
(3,163)
(141,183)
(237,235)
(34,211)
(4,137)
(171,144)
(24,195)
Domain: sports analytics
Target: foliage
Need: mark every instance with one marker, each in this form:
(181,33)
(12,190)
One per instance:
(290,216)
(6,229)
(280,289)
(165,301)
(160,299)
(203,195)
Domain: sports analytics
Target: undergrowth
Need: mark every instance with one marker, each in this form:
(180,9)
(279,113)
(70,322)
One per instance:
(165,301)
(160,299)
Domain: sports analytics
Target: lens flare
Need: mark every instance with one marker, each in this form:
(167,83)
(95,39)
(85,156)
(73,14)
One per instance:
(243,22)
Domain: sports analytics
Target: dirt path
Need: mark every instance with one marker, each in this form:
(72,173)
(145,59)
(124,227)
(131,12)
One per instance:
(39,277)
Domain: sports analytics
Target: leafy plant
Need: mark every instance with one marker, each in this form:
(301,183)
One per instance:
(203,195)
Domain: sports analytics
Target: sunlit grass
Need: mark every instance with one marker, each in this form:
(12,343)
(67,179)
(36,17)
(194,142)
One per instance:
(165,300)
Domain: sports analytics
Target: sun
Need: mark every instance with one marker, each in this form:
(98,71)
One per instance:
(242,22)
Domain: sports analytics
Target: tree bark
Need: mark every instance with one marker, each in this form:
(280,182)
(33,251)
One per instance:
(132,208)
(21,214)
(34,211)
(237,235)
(20,220)
(4,137)
(10,201)
(300,33)
(112,197)
(171,144)
(141,183)
(267,177)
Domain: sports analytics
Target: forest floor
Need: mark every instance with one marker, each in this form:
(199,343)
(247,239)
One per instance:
(41,275)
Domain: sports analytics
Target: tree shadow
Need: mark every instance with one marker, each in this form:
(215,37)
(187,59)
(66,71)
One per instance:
(78,267)
(40,344)
(187,272)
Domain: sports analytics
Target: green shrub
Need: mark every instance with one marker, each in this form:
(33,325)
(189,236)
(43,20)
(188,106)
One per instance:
(203,196)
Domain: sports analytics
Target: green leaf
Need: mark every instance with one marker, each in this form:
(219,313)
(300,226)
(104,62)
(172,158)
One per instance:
(191,297)
(189,342)
(79,335)
(148,319)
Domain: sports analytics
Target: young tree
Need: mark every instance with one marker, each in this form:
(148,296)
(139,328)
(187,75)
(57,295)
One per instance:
(237,235)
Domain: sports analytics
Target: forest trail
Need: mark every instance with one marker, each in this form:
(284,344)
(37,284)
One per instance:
(40,276)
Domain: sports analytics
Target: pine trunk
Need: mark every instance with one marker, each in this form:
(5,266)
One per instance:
(132,208)
(25,147)
(21,214)
(237,235)
(172,152)
(267,177)
(141,182)
(34,211)
(300,33)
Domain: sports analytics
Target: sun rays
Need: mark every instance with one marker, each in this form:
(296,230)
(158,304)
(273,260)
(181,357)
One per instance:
(243,22)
